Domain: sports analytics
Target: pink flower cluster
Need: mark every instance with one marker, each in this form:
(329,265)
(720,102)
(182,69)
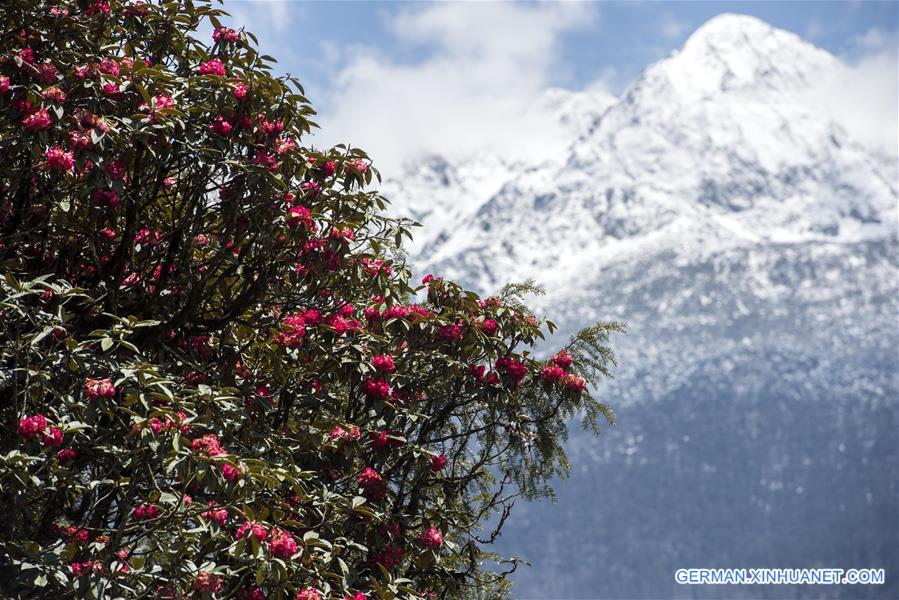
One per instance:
(225,34)
(36,425)
(231,473)
(552,373)
(255,529)
(207,445)
(438,463)
(372,483)
(382,440)
(452,331)
(59,159)
(374,267)
(376,389)
(38,121)
(282,544)
(350,434)
(489,326)
(145,512)
(383,363)
(431,537)
(299,215)
(212,67)
(217,515)
(513,370)
(308,594)
(208,582)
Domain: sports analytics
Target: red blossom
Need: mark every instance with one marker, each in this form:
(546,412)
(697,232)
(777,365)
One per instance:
(282,544)
(99,388)
(431,537)
(212,67)
(31,427)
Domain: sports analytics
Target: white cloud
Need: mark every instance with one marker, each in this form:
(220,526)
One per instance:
(864,97)
(673,28)
(477,76)
(262,16)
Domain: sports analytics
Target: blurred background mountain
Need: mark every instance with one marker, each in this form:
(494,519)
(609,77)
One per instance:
(725,207)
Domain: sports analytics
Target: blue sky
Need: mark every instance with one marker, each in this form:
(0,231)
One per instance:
(387,72)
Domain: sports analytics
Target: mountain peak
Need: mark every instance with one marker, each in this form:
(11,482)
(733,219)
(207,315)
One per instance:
(733,51)
(728,27)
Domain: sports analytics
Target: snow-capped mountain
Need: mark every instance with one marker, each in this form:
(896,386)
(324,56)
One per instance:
(750,241)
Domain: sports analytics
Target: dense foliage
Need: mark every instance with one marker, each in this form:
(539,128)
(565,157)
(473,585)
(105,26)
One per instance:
(215,378)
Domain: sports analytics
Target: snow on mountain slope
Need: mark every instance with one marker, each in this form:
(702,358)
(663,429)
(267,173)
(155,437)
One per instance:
(750,242)
(714,146)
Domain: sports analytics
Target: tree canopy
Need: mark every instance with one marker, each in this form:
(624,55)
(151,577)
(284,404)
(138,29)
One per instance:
(218,378)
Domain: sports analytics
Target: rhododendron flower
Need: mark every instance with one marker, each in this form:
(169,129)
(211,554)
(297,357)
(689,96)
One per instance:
(220,126)
(99,388)
(80,140)
(373,267)
(563,359)
(383,363)
(299,215)
(381,440)
(342,325)
(59,159)
(4,84)
(39,120)
(254,594)
(376,389)
(26,55)
(308,594)
(452,331)
(255,529)
(489,326)
(575,383)
(212,67)
(80,568)
(310,187)
(514,370)
(46,72)
(52,438)
(109,66)
(284,146)
(67,455)
(356,596)
(31,427)
(216,515)
(431,537)
(264,159)
(115,169)
(106,197)
(225,34)
(350,434)
(372,483)
(552,373)
(357,165)
(146,511)
(438,463)
(231,473)
(389,557)
(240,90)
(98,7)
(477,371)
(207,445)
(112,90)
(208,582)
(282,544)
(54,94)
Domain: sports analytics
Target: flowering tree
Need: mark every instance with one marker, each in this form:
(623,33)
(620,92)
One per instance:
(215,379)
